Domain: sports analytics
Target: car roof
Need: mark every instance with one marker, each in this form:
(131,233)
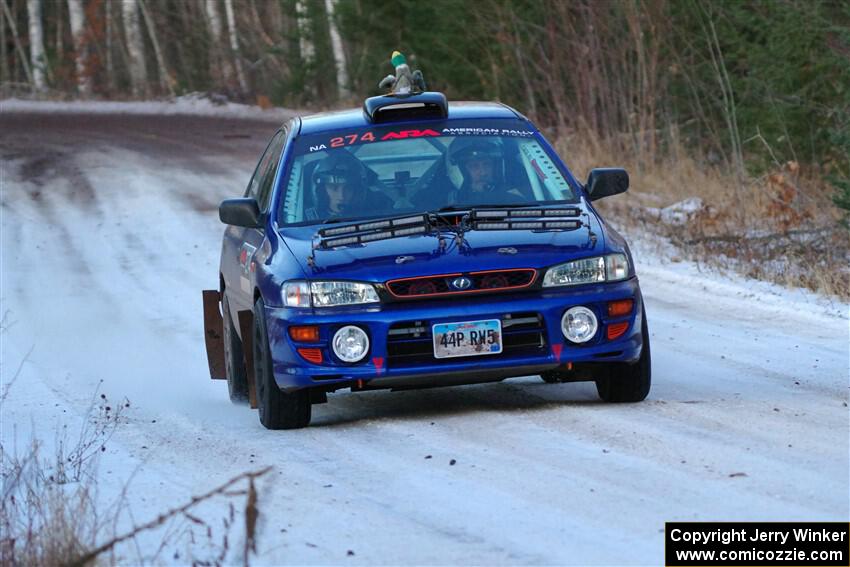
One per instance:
(356,117)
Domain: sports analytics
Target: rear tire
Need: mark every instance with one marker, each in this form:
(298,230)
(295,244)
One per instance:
(628,382)
(234,359)
(278,410)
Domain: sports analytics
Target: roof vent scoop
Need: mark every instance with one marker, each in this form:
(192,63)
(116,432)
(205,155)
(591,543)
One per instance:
(407,99)
(390,108)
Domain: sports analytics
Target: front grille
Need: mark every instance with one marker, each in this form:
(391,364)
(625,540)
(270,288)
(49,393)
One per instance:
(410,343)
(476,282)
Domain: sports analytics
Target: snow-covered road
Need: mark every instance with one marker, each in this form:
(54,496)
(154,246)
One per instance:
(110,231)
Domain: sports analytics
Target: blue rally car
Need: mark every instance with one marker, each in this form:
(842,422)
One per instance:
(415,243)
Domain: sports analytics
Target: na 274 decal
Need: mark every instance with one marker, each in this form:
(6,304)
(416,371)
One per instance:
(370,136)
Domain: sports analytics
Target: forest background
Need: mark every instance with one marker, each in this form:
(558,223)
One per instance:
(732,117)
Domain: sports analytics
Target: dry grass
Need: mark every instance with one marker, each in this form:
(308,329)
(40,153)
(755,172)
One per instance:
(52,514)
(780,227)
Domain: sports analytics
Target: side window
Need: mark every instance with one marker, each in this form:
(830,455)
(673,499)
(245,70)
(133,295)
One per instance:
(264,190)
(262,167)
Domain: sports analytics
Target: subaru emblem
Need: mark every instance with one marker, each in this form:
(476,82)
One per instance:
(462,283)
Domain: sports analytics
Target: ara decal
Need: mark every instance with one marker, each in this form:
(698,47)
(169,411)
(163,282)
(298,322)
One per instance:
(404,134)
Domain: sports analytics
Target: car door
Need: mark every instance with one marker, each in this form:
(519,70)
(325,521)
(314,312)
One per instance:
(240,243)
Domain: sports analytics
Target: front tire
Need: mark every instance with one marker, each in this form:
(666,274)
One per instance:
(278,410)
(628,382)
(234,360)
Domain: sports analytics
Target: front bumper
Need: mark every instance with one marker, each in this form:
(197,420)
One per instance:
(382,368)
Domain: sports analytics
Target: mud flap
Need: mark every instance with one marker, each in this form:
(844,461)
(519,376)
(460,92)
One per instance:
(214,334)
(246,329)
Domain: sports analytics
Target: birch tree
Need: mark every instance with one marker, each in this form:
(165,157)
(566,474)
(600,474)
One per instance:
(165,80)
(306,49)
(218,66)
(234,45)
(135,47)
(37,57)
(110,69)
(305,34)
(78,34)
(338,51)
(4,64)
(17,40)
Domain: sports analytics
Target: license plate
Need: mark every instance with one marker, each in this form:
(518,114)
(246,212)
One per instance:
(469,338)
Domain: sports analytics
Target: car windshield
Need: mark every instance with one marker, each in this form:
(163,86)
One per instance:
(379,172)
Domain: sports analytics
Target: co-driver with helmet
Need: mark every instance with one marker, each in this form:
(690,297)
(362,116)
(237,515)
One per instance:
(474,175)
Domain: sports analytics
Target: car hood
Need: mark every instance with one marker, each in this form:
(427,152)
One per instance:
(420,255)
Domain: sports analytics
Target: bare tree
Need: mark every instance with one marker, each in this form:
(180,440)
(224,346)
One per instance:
(78,33)
(37,57)
(58,24)
(135,47)
(728,95)
(110,68)
(234,45)
(338,51)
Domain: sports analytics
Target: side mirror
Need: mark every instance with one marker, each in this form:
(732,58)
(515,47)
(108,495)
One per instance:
(607,181)
(240,212)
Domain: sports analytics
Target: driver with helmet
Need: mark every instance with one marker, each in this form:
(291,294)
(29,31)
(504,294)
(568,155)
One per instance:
(341,190)
(481,165)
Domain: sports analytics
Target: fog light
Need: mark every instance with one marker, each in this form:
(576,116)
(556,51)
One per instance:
(579,324)
(350,343)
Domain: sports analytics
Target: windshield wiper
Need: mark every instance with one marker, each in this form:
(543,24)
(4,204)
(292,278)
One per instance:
(334,220)
(449,208)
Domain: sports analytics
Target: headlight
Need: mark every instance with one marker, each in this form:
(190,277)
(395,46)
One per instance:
(609,268)
(327,294)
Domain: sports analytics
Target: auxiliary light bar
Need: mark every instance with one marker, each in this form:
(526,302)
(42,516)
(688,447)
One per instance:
(541,218)
(371,231)
(527,225)
(542,212)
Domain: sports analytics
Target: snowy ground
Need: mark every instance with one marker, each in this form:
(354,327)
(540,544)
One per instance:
(110,231)
(193,104)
